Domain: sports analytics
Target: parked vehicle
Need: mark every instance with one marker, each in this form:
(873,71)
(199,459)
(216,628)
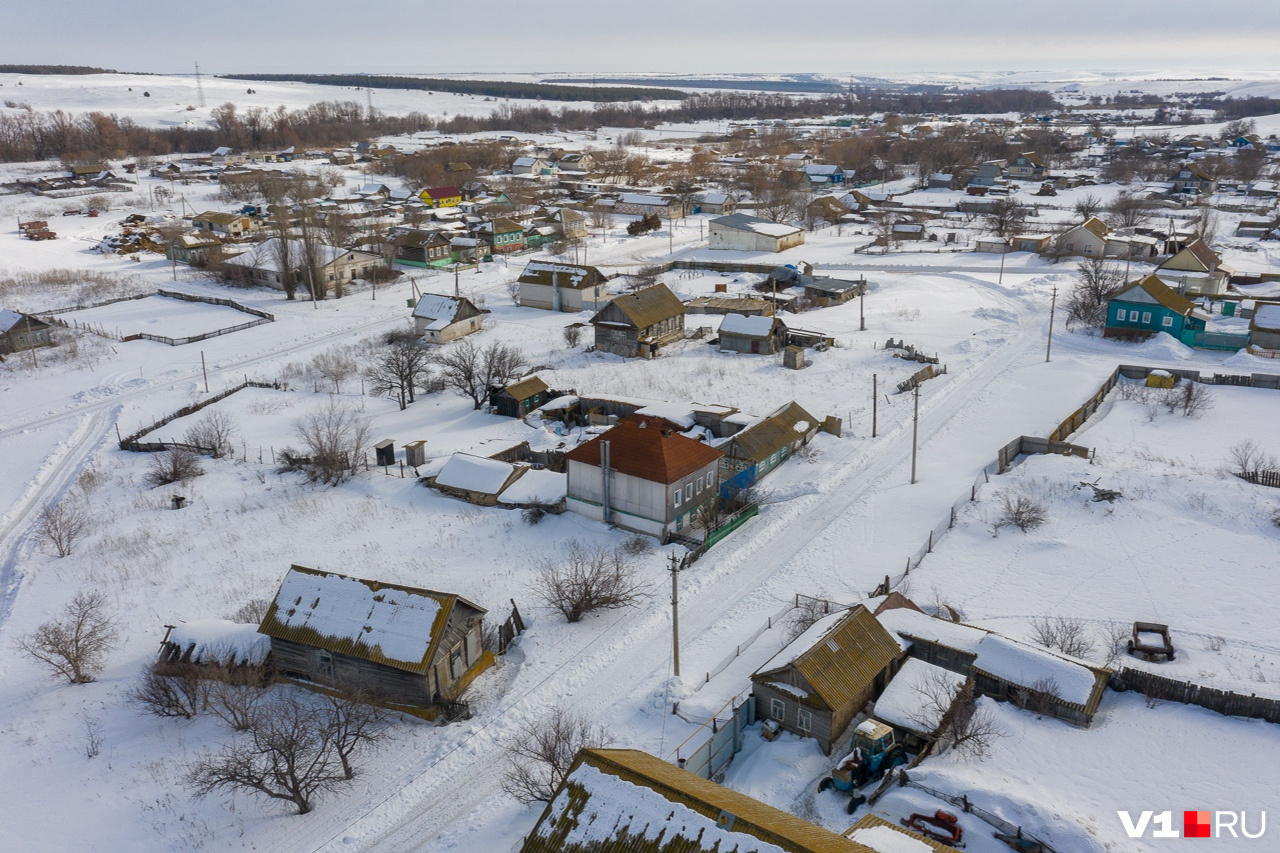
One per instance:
(875,752)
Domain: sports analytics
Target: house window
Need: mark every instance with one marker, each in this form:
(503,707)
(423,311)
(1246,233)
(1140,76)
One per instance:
(804,720)
(1167,322)
(688,492)
(455,662)
(1146,316)
(699,489)
(679,497)
(777,710)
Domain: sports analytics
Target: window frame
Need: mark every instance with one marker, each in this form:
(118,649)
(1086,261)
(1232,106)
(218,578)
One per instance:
(804,719)
(777,710)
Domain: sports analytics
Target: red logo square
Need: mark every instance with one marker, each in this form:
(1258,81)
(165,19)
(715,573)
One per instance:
(1196,825)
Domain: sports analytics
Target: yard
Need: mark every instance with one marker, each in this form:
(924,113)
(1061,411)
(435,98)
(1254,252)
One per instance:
(157,315)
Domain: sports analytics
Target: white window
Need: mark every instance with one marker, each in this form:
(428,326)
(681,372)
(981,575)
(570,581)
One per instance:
(699,489)
(1167,322)
(1146,316)
(679,497)
(1120,314)
(777,710)
(688,492)
(804,720)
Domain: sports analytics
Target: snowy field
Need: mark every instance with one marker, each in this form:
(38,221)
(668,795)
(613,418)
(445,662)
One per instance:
(158,315)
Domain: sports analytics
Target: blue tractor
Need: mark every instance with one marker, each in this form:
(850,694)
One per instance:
(875,752)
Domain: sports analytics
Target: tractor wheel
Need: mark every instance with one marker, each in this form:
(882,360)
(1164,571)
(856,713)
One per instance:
(824,784)
(1130,646)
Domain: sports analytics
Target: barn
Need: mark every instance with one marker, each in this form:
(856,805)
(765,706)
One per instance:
(415,649)
(744,233)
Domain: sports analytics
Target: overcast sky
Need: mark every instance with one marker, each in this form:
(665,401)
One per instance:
(606,36)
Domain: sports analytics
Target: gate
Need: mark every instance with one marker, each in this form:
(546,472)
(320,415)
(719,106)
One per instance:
(721,740)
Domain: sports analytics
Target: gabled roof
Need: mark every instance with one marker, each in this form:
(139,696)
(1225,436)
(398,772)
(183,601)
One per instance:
(645,307)
(649,449)
(572,276)
(884,836)
(754,224)
(444,309)
(10,319)
(477,474)
(1096,227)
(626,801)
(441,192)
(218,217)
(1161,293)
(837,657)
(771,433)
(526,388)
(751,326)
(1196,256)
(396,626)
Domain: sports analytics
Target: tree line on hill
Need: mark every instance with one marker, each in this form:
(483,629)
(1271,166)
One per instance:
(54,69)
(485,88)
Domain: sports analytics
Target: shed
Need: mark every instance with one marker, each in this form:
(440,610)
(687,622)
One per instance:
(555,286)
(744,233)
(403,646)
(475,479)
(757,335)
(520,398)
(442,319)
(819,682)
(626,801)
(20,332)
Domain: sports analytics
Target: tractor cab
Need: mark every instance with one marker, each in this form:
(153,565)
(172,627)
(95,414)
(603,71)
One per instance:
(874,739)
(875,751)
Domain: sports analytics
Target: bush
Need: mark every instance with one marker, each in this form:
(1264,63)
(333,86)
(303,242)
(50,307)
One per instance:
(62,524)
(588,578)
(638,545)
(75,645)
(180,694)
(251,612)
(336,436)
(173,466)
(572,335)
(1067,635)
(213,432)
(1020,511)
(541,751)
(533,515)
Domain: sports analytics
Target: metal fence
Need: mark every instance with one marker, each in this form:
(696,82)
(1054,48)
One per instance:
(708,751)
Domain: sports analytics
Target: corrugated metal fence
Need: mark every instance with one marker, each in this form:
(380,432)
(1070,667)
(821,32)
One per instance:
(718,739)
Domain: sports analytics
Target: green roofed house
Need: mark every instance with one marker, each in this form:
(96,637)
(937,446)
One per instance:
(626,801)
(412,649)
(1147,307)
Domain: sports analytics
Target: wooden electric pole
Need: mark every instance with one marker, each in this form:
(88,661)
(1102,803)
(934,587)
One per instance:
(675,616)
(206,372)
(862,299)
(915,432)
(875,401)
(1052,307)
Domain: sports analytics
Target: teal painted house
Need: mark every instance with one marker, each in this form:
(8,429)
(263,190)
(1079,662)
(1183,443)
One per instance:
(1148,306)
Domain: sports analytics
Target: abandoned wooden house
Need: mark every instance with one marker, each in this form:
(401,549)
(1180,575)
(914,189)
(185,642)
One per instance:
(19,332)
(627,801)
(822,679)
(407,647)
(213,644)
(640,323)
(754,335)
(475,479)
(1002,668)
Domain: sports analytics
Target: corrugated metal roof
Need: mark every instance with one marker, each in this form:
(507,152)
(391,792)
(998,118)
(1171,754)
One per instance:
(648,448)
(526,388)
(878,824)
(1161,293)
(770,434)
(723,820)
(358,618)
(841,664)
(645,307)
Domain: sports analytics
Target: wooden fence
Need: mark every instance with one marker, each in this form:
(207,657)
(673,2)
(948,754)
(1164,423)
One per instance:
(1270,479)
(263,317)
(1224,702)
(1077,418)
(132,442)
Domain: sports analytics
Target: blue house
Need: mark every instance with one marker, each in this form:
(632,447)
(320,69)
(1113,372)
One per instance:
(1148,306)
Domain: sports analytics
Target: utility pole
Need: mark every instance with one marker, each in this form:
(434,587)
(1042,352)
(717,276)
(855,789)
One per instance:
(205,370)
(915,432)
(31,344)
(675,617)
(1000,280)
(862,298)
(455,280)
(875,400)
(1052,307)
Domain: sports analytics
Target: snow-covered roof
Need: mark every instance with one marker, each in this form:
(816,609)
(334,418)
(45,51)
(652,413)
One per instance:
(474,474)
(743,222)
(220,641)
(1264,317)
(813,635)
(441,309)
(904,702)
(387,624)
(643,199)
(8,319)
(740,324)
(536,486)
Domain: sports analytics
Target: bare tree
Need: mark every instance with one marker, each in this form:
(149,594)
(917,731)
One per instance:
(336,366)
(950,712)
(806,614)
(1130,209)
(212,432)
(354,724)
(61,525)
(601,216)
(336,436)
(1066,634)
(252,612)
(400,367)
(234,693)
(179,693)
(1020,511)
(541,751)
(1247,456)
(1099,280)
(572,335)
(586,579)
(75,645)
(1087,206)
(173,466)
(287,754)
(1006,217)
(1195,399)
(472,370)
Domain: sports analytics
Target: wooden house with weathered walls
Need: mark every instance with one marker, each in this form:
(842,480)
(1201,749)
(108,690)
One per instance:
(561,287)
(411,648)
(1196,270)
(639,323)
(627,801)
(754,335)
(643,475)
(475,479)
(819,682)
(20,332)
(1005,669)
(519,398)
(763,445)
